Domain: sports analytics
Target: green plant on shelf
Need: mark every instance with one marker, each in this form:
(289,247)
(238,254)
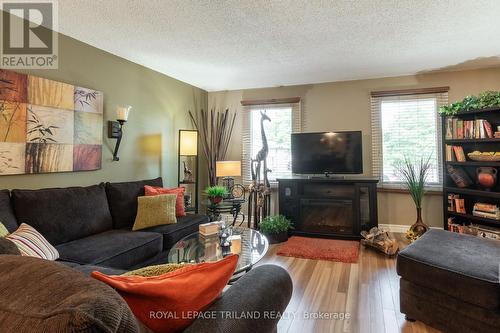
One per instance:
(216,191)
(487,99)
(275,224)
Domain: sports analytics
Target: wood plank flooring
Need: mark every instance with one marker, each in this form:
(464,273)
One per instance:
(368,291)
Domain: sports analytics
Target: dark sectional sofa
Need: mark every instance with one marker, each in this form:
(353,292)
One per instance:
(93,225)
(91,228)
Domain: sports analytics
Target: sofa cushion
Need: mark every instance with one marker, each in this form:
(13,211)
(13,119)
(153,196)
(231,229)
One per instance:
(7,217)
(122,199)
(154,211)
(64,214)
(185,225)
(461,266)
(44,296)
(190,289)
(114,248)
(32,244)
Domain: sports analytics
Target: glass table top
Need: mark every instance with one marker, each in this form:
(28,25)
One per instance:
(196,248)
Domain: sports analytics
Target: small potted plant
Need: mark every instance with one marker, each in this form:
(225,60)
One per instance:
(275,228)
(216,194)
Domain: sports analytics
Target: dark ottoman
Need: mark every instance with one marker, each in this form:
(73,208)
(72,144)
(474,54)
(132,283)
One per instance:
(451,281)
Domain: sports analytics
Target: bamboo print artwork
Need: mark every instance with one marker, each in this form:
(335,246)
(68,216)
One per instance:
(48,126)
(12,121)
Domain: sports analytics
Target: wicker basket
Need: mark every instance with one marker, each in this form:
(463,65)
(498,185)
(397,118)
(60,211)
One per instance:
(484,158)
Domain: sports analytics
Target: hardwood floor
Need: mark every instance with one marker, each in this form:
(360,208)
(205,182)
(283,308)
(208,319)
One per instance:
(368,291)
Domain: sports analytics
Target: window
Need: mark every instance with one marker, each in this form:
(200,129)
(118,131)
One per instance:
(406,126)
(285,119)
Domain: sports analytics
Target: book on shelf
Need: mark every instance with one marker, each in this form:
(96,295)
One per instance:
(451,202)
(459,153)
(455,153)
(459,176)
(456,128)
(456,204)
(460,206)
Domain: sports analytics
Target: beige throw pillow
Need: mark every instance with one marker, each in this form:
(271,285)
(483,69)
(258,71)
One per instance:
(155,210)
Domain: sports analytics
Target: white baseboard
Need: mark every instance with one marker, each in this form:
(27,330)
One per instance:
(398,227)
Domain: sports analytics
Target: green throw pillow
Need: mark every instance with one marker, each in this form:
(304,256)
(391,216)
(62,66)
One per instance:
(154,270)
(3,230)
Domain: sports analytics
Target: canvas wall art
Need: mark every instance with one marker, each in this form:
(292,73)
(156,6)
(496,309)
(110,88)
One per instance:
(48,126)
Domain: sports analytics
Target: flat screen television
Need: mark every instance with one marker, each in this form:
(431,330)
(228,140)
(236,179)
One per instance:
(327,152)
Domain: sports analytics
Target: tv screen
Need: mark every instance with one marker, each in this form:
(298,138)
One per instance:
(327,152)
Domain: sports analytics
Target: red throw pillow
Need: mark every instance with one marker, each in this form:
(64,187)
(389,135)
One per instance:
(170,302)
(179,204)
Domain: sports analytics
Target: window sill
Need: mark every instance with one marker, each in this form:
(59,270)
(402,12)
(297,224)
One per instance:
(402,191)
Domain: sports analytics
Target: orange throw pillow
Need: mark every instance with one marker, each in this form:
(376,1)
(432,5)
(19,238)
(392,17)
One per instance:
(179,204)
(170,302)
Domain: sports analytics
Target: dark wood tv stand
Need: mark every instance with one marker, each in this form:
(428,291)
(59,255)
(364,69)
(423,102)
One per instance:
(333,207)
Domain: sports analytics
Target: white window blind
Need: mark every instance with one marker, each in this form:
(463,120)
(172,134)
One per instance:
(285,120)
(406,126)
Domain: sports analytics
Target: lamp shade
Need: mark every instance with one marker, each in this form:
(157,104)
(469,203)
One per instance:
(122,112)
(228,168)
(188,143)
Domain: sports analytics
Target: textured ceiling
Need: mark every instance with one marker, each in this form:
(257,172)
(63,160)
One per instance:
(224,45)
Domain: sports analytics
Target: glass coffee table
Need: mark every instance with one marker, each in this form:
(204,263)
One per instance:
(196,248)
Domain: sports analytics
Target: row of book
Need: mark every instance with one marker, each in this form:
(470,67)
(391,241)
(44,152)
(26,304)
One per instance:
(489,211)
(468,129)
(455,153)
(486,210)
(474,229)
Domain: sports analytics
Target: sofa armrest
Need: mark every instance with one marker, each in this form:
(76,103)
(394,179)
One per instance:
(263,293)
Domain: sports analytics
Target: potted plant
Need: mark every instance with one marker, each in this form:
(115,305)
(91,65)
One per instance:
(415,179)
(216,194)
(275,228)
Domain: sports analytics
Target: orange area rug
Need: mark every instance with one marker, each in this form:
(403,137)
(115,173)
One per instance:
(320,249)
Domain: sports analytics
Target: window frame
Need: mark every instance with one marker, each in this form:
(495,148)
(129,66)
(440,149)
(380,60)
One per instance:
(441,98)
(246,149)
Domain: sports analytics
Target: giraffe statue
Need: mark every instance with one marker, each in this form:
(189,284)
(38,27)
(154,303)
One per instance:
(261,156)
(259,199)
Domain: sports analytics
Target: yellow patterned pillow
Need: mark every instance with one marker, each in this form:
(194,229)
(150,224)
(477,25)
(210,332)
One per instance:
(155,210)
(155,270)
(3,230)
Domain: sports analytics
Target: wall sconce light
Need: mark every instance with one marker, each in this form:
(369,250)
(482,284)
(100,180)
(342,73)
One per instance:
(115,128)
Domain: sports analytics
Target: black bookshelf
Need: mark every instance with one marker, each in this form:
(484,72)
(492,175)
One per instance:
(473,193)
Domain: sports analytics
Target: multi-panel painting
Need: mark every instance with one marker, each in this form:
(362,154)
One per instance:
(48,126)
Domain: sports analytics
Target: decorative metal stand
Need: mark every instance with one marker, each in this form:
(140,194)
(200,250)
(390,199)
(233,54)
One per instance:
(259,199)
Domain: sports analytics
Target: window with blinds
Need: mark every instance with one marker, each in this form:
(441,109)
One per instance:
(285,120)
(406,125)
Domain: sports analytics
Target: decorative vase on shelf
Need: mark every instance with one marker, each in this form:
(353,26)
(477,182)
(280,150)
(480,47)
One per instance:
(419,227)
(486,177)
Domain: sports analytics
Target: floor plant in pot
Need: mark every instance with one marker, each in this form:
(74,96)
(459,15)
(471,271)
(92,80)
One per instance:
(276,228)
(414,175)
(216,194)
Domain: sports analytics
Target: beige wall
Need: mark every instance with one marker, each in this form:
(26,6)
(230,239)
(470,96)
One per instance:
(160,105)
(346,106)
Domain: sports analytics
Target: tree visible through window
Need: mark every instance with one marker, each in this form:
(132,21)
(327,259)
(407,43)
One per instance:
(278,133)
(409,128)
